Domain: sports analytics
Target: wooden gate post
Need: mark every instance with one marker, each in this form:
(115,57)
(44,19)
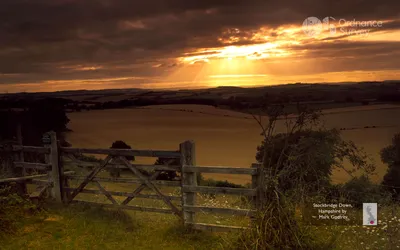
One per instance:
(56,171)
(255,185)
(22,185)
(188,159)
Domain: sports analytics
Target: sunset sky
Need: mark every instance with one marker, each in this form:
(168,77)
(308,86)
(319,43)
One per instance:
(51,45)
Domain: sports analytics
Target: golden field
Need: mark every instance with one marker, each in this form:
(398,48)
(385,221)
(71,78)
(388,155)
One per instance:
(223,137)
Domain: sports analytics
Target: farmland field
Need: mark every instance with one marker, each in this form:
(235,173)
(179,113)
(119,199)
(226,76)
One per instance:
(223,137)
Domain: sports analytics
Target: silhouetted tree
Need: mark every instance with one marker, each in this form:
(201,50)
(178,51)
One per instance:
(122,145)
(167,175)
(36,118)
(315,154)
(116,172)
(391,156)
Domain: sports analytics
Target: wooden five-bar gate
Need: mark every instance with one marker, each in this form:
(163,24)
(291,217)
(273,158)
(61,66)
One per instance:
(55,183)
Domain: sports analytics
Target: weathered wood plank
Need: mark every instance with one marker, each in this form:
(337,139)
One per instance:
(127,180)
(56,168)
(136,208)
(106,193)
(90,177)
(31,177)
(41,150)
(152,186)
(254,185)
(119,193)
(123,152)
(39,166)
(220,190)
(230,211)
(188,159)
(222,170)
(139,189)
(21,157)
(68,173)
(17,179)
(216,228)
(119,166)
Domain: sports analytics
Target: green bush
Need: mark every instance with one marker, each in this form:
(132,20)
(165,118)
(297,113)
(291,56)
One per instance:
(12,208)
(361,190)
(276,228)
(391,156)
(167,175)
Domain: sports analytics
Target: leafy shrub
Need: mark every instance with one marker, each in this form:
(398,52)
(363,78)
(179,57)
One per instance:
(276,228)
(305,159)
(122,145)
(361,190)
(12,207)
(312,157)
(167,175)
(116,172)
(391,156)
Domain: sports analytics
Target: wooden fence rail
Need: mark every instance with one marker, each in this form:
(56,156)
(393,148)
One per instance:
(123,152)
(57,181)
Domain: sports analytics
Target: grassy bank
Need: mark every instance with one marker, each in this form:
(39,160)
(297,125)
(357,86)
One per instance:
(83,227)
(86,227)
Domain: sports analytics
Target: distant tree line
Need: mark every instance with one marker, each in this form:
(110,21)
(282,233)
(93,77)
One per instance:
(239,103)
(34,118)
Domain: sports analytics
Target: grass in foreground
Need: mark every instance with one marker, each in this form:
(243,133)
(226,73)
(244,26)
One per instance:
(83,227)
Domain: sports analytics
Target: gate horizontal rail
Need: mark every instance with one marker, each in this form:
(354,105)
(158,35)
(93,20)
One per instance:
(119,193)
(34,165)
(219,190)
(233,211)
(127,180)
(135,208)
(123,152)
(219,170)
(32,149)
(216,228)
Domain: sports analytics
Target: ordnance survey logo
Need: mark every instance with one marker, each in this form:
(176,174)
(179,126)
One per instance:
(370,214)
(313,26)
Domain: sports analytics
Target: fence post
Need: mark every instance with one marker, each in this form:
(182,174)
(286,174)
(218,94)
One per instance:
(254,185)
(56,171)
(21,156)
(20,142)
(188,159)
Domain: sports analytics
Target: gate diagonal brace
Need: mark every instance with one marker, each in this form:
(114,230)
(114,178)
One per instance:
(148,183)
(90,177)
(140,189)
(107,194)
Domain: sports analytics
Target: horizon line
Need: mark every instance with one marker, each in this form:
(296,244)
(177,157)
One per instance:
(199,87)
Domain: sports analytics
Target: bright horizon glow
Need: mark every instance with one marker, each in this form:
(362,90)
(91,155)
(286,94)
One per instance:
(119,83)
(266,57)
(236,76)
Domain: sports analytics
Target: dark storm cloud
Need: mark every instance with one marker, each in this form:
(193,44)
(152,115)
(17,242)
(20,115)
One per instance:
(38,38)
(340,56)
